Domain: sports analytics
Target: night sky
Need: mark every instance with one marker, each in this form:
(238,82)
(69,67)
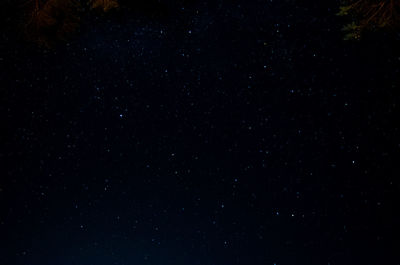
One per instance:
(201,133)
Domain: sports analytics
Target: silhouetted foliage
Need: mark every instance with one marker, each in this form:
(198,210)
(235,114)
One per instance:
(370,15)
(104,5)
(53,21)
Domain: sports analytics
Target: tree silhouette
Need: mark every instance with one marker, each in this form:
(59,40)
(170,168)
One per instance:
(370,15)
(105,5)
(53,21)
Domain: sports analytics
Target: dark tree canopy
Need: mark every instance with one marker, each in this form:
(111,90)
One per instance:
(370,15)
(52,21)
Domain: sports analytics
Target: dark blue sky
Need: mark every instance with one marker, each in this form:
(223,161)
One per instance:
(223,133)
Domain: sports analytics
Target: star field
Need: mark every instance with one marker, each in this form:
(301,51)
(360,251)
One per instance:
(222,133)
